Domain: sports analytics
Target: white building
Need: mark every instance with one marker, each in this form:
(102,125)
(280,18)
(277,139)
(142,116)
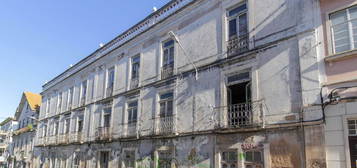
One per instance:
(23,138)
(198,83)
(7,128)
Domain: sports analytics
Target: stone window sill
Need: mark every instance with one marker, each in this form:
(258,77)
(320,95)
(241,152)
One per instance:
(341,56)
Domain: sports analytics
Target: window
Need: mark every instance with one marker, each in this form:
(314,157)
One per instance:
(135,67)
(48,105)
(168,53)
(44,133)
(344,29)
(84,92)
(59,102)
(132,111)
(129,159)
(76,162)
(166,104)
(229,159)
(168,56)
(80,123)
(110,83)
(352,140)
(238,38)
(104,160)
(56,125)
(107,112)
(253,159)
(165,158)
(67,123)
(70,97)
(237,22)
(239,107)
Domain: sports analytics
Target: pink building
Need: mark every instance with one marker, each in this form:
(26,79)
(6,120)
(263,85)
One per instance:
(339,24)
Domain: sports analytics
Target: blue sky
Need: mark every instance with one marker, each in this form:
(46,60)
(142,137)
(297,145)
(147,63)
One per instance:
(39,39)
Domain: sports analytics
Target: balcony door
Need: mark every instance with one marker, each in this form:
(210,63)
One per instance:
(239,100)
(104,159)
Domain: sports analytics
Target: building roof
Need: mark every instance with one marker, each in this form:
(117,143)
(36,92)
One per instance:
(147,23)
(34,100)
(8,119)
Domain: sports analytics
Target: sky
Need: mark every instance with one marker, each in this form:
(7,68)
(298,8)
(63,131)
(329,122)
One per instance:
(39,39)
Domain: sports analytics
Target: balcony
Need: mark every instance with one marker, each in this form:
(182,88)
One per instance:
(52,140)
(134,83)
(77,137)
(238,45)
(131,129)
(103,133)
(165,125)
(243,115)
(167,71)
(109,91)
(41,141)
(63,139)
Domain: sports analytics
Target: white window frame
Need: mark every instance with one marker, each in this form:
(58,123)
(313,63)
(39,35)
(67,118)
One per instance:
(350,30)
(130,110)
(166,100)
(236,16)
(108,105)
(173,45)
(84,91)
(131,66)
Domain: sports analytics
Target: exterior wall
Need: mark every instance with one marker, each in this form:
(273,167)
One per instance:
(8,129)
(341,75)
(339,67)
(24,137)
(337,147)
(284,69)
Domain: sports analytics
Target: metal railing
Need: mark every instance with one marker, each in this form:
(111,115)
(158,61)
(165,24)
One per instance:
(241,115)
(103,133)
(40,141)
(238,44)
(167,71)
(165,125)
(52,140)
(134,83)
(63,138)
(77,137)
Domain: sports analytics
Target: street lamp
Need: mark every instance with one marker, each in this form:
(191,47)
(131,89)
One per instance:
(173,36)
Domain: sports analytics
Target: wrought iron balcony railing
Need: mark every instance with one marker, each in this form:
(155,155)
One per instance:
(165,125)
(77,137)
(103,133)
(167,71)
(41,141)
(243,115)
(238,44)
(63,138)
(134,83)
(52,140)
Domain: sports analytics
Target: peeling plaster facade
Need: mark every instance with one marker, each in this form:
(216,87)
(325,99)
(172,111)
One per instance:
(282,64)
